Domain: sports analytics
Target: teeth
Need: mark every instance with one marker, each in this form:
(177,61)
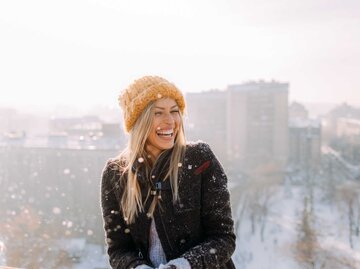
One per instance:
(165,133)
(168,132)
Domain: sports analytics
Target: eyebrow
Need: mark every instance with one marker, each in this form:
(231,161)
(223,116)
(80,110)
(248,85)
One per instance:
(175,106)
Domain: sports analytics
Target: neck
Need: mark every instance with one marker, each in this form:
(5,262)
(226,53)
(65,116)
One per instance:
(153,152)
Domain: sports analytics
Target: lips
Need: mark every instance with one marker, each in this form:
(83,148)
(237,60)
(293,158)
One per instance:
(165,133)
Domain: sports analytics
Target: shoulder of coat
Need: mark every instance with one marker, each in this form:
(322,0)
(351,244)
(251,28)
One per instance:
(115,164)
(199,148)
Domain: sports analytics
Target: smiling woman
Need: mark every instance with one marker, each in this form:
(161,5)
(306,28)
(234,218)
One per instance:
(165,202)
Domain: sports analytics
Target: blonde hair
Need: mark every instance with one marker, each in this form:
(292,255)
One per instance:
(131,201)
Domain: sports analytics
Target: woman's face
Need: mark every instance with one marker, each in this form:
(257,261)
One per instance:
(166,124)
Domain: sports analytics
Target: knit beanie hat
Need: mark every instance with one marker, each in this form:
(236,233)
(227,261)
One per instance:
(137,96)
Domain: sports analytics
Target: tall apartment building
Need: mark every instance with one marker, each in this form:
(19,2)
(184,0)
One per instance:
(257,124)
(304,143)
(246,125)
(304,139)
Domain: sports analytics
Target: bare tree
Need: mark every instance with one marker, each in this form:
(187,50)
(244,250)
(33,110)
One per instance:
(348,195)
(256,196)
(306,246)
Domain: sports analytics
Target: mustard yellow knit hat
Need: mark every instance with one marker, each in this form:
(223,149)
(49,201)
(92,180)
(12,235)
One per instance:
(137,96)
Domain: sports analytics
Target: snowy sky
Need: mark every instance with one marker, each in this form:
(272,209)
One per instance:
(83,52)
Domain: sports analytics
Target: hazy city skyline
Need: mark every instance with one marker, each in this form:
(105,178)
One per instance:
(82,53)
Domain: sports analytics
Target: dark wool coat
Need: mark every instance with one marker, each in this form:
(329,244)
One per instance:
(198,227)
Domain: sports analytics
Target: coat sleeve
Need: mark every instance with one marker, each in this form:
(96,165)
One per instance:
(217,222)
(121,249)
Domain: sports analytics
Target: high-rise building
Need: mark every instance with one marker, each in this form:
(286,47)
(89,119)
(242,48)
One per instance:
(257,125)
(304,144)
(246,125)
(304,139)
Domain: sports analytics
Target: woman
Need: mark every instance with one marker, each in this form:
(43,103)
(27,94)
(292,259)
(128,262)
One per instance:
(165,203)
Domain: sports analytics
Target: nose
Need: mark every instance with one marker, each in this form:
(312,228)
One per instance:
(169,118)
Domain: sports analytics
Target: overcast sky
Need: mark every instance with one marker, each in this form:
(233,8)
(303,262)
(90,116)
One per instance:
(83,52)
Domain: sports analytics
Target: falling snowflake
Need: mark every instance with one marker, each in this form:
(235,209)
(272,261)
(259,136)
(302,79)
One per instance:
(141,160)
(67,223)
(56,210)
(66,171)
(2,246)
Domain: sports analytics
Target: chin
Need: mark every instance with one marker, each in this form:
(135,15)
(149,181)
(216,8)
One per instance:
(169,146)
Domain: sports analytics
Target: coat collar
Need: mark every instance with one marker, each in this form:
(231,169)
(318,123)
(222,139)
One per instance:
(159,169)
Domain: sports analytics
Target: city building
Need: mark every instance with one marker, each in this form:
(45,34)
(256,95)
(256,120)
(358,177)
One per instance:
(304,144)
(347,141)
(246,124)
(298,111)
(257,125)
(348,127)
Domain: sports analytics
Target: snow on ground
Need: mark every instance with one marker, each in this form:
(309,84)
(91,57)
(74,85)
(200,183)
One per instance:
(93,257)
(333,233)
(282,229)
(280,233)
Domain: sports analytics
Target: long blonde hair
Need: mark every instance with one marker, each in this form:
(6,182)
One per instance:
(131,201)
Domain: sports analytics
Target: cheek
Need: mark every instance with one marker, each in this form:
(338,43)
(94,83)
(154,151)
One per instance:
(155,125)
(152,133)
(152,138)
(177,119)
